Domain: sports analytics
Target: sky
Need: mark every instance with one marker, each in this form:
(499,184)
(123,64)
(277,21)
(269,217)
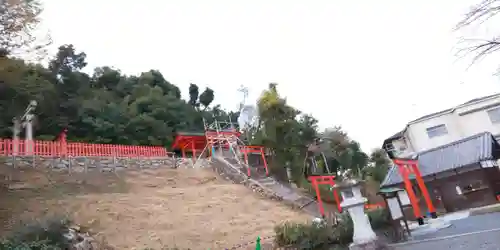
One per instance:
(368,66)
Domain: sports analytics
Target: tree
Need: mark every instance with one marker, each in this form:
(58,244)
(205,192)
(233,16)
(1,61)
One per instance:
(348,158)
(145,109)
(105,107)
(193,95)
(479,14)
(379,165)
(18,21)
(206,98)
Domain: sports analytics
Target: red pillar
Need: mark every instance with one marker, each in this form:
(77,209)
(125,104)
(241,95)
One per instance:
(407,167)
(335,195)
(264,160)
(411,194)
(193,151)
(318,195)
(246,155)
(424,190)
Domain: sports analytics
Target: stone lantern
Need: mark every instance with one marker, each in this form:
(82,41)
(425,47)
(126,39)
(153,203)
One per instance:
(353,201)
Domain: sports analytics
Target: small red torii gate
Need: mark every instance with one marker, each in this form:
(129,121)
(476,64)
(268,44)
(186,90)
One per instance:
(408,167)
(254,149)
(324,180)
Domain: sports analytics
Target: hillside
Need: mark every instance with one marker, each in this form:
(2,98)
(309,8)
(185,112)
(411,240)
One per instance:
(148,208)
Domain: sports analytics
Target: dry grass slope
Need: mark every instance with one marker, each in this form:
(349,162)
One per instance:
(149,208)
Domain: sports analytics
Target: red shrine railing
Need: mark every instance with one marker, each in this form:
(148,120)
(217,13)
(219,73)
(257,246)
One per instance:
(60,148)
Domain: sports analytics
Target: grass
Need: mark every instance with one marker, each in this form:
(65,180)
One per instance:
(148,208)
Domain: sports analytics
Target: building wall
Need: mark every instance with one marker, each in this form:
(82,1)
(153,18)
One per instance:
(464,121)
(444,194)
(474,119)
(484,194)
(418,132)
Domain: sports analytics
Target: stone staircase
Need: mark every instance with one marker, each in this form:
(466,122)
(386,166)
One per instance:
(237,171)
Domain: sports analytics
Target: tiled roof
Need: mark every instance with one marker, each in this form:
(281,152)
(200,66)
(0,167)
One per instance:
(457,154)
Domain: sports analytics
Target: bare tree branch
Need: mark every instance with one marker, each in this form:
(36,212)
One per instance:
(477,48)
(19,20)
(478,15)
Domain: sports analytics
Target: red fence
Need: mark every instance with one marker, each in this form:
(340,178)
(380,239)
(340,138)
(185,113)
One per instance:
(58,148)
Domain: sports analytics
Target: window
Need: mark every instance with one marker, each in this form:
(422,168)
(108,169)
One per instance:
(389,147)
(475,185)
(494,115)
(436,131)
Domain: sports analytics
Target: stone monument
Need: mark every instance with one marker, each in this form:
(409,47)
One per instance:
(364,238)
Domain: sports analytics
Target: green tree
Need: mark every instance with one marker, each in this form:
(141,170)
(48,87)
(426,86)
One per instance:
(206,98)
(193,95)
(105,107)
(348,158)
(379,165)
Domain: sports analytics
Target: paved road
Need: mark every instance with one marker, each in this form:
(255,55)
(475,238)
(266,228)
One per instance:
(467,225)
(481,241)
(461,236)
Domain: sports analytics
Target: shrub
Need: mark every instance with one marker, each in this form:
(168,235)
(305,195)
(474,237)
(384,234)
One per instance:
(325,234)
(304,236)
(379,218)
(44,234)
(38,245)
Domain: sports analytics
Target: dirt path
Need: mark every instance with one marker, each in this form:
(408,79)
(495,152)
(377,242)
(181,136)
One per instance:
(187,208)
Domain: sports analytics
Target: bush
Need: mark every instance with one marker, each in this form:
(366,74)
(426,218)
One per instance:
(45,234)
(379,218)
(304,236)
(326,234)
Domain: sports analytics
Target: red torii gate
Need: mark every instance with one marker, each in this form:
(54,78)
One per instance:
(324,180)
(408,167)
(254,149)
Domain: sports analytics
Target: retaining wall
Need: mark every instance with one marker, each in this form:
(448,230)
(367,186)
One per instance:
(82,164)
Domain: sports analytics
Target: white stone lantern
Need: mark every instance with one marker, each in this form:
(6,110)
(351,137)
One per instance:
(353,201)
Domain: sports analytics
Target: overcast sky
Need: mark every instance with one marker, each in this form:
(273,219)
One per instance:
(369,66)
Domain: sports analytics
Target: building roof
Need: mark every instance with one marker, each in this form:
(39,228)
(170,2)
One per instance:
(451,156)
(400,134)
(451,109)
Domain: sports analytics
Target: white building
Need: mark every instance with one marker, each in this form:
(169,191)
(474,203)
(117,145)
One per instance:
(457,151)
(444,127)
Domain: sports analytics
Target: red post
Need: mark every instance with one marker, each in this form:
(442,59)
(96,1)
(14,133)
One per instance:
(318,195)
(407,167)
(246,161)
(424,190)
(411,194)
(336,195)
(263,155)
(246,155)
(193,151)
(63,142)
